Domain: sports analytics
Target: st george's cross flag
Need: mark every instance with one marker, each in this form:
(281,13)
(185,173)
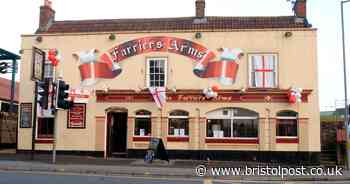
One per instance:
(159,95)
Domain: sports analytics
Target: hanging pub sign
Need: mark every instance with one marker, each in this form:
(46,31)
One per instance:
(94,65)
(38,64)
(76,116)
(25,115)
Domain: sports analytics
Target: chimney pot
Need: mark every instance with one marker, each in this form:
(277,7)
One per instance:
(47,16)
(200,8)
(300,8)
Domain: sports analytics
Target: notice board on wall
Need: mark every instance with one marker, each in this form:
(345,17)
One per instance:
(77,116)
(25,115)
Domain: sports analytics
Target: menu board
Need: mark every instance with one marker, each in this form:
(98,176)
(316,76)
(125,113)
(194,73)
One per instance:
(25,115)
(76,116)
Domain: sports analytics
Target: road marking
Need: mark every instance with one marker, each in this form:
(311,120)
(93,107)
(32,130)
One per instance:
(207,181)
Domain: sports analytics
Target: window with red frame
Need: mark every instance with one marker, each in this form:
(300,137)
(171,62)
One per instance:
(263,70)
(45,127)
(287,124)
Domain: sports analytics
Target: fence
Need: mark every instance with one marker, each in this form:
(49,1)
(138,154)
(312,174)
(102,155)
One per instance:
(8,129)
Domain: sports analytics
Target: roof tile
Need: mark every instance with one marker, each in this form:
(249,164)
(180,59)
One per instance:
(166,24)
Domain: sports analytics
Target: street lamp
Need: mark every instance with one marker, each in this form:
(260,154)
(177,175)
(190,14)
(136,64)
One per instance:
(346,115)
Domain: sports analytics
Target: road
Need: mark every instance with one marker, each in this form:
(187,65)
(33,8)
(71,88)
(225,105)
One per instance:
(52,178)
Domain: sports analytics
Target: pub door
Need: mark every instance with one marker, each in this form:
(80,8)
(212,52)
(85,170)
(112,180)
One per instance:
(117,133)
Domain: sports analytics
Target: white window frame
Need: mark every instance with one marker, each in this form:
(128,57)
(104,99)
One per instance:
(179,117)
(142,116)
(231,117)
(52,71)
(148,80)
(250,68)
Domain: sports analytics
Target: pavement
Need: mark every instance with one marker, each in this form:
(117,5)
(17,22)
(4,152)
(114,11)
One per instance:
(136,167)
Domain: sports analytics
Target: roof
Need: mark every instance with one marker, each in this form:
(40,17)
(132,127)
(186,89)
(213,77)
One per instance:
(5,90)
(182,23)
(327,113)
(6,55)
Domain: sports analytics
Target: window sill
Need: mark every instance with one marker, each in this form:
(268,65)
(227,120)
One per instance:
(178,139)
(141,138)
(289,140)
(43,141)
(262,89)
(44,137)
(232,140)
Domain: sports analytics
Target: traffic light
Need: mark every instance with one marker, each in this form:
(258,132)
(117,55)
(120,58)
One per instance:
(3,67)
(43,94)
(62,95)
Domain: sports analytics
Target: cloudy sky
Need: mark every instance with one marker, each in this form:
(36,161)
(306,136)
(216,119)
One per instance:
(21,17)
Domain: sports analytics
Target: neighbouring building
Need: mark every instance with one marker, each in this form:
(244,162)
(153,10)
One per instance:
(8,121)
(5,95)
(241,88)
(333,137)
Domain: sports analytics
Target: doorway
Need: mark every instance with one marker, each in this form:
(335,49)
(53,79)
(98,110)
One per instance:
(117,133)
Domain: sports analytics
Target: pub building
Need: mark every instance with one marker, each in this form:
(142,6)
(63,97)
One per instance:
(237,88)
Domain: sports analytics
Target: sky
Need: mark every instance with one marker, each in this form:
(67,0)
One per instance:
(22,17)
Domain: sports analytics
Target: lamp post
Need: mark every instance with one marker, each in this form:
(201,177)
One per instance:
(346,115)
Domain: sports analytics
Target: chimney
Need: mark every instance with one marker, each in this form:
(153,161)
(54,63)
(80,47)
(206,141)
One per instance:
(200,8)
(300,8)
(47,16)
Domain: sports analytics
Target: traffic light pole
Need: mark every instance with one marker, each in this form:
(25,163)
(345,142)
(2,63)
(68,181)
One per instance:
(54,138)
(54,91)
(34,120)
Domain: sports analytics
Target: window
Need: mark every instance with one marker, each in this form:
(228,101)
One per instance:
(45,127)
(48,72)
(232,123)
(5,107)
(143,123)
(219,128)
(263,70)
(178,124)
(287,124)
(245,128)
(156,72)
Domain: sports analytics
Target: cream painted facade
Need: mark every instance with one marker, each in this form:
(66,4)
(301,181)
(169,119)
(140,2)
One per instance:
(297,66)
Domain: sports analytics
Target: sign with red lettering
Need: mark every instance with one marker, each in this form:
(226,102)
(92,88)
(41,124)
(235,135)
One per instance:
(94,65)
(76,116)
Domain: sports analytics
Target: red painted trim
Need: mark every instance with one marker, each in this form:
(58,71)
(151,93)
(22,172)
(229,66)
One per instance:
(141,139)
(233,140)
(195,96)
(178,139)
(44,141)
(287,140)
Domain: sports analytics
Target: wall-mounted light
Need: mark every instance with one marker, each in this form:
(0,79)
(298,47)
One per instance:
(288,34)
(198,35)
(21,51)
(111,37)
(39,39)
